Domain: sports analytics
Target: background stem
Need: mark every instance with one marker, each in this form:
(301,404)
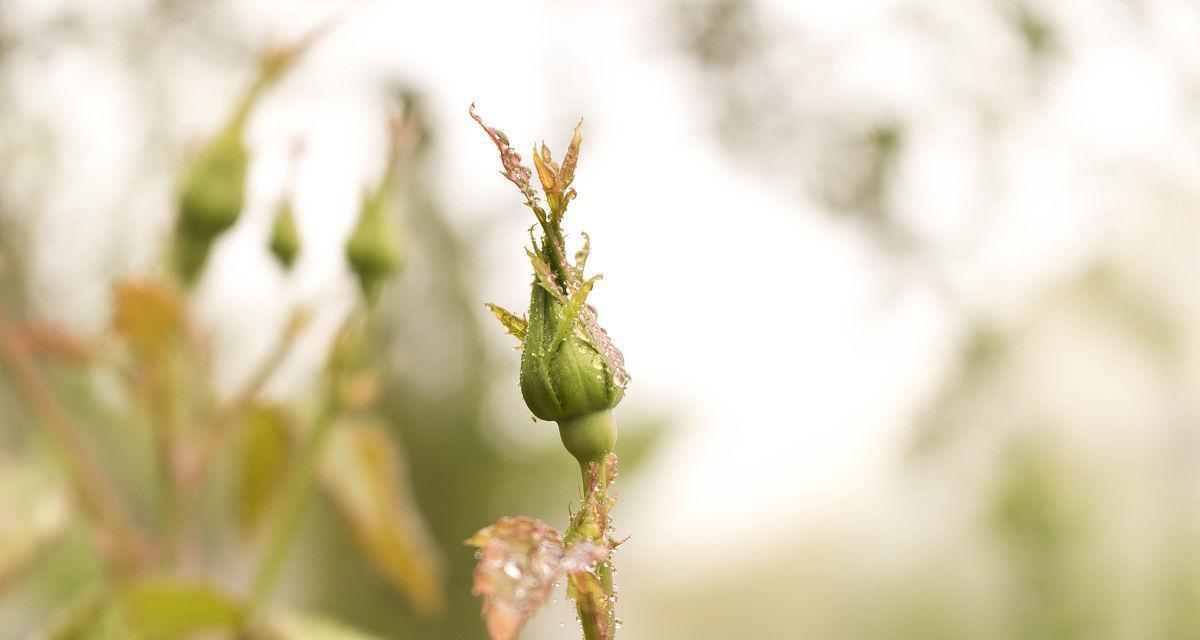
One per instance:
(117,533)
(291,507)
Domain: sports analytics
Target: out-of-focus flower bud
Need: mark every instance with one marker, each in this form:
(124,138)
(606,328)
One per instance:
(374,249)
(213,190)
(210,199)
(285,239)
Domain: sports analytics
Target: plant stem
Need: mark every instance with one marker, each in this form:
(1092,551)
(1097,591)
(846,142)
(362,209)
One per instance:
(226,418)
(116,530)
(291,507)
(590,438)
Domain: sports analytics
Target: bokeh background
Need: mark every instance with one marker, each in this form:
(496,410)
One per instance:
(907,288)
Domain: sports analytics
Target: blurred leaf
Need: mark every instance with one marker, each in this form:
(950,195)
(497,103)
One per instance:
(263,465)
(101,623)
(293,626)
(362,470)
(519,561)
(85,617)
(360,390)
(166,609)
(55,343)
(35,511)
(147,315)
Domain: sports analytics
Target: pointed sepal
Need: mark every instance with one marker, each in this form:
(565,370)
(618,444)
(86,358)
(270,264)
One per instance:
(516,326)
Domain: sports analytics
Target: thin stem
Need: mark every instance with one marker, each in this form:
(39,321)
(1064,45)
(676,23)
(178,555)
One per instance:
(291,507)
(189,468)
(94,488)
(226,419)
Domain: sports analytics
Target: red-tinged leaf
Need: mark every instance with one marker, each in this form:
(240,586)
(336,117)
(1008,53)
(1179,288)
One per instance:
(364,472)
(516,172)
(567,174)
(519,560)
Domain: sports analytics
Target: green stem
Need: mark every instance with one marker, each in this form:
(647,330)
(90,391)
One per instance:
(113,523)
(590,438)
(291,507)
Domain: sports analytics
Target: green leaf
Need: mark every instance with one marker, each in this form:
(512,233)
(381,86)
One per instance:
(515,325)
(89,616)
(295,626)
(170,609)
(262,466)
(364,473)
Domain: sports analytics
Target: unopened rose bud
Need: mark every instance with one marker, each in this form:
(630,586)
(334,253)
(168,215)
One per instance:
(571,372)
(210,199)
(285,240)
(374,249)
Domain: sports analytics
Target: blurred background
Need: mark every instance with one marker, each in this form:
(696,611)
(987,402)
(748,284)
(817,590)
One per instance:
(907,290)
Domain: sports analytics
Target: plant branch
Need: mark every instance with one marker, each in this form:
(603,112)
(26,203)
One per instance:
(117,531)
(226,419)
(287,516)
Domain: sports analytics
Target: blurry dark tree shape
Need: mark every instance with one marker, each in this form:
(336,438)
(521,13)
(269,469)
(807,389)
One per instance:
(779,109)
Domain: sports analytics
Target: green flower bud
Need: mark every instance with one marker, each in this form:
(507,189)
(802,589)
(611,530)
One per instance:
(213,192)
(563,376)
(210,200)
(374,249)
(285,240)
(571,372)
